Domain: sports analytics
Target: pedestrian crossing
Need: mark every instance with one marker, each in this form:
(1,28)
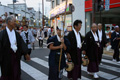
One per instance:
(38,75)
(107,72)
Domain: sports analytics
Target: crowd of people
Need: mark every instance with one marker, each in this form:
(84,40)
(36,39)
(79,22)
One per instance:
(15,42)
(74,46)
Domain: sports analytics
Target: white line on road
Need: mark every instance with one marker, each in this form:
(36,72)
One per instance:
(45,64)
(36,74)
(45,44)
(47,57)
(83,78)
(110,68)
(102,74)
(0,71)
(111,62)
(117,78)
(40,48)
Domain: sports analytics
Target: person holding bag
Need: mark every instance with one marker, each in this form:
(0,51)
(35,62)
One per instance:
(55,44)
(75,51)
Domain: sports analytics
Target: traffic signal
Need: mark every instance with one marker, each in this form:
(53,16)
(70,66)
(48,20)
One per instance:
(100,5)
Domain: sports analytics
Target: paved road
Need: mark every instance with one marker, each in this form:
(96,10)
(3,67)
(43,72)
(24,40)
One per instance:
(37,68)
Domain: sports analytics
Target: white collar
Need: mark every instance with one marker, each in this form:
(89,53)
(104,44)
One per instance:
(95,36)
(75,31)
(26,31)
(117,32)
(93,33)
(58,38)
(8,30)
(99,30)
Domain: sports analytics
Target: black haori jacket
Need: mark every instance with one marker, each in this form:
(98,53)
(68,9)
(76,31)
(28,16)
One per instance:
(73,46)
(5,56)
(89,46)
(104,40)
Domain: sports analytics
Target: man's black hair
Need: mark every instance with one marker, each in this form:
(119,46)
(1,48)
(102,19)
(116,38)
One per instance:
(25,26)
(76,22)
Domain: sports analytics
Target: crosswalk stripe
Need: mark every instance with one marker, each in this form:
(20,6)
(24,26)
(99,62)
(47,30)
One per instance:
(110,68)
(111,62)
(83,78)
(102,74)
(45,44)
(46,57)
(45,64)
(0,71)
(117,78)
(36,74)
(40,48)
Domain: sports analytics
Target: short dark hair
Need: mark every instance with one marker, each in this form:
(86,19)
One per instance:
(76,22)
(25,26)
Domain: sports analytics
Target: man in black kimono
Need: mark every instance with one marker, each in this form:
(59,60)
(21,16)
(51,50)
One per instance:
(91,46)
(102,40)
(11,48)
(75,39)
(115,39)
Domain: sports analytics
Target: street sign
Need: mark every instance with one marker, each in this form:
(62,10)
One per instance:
(107,5)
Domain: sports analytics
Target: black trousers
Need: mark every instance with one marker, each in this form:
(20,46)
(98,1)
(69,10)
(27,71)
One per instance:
(100,53)
(116,54)
(40,43)
(29,52)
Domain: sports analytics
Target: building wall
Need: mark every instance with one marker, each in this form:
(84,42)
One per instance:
(88,21)
(79,13)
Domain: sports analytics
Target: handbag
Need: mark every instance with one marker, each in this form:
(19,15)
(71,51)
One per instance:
(85,60)
(69,66)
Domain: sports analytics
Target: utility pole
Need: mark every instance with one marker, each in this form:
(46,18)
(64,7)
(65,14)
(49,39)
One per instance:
(13,7)
(93,11)
(25,8)
(39,15)
(43,14)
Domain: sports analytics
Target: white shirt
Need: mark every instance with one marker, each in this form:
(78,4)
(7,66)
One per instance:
(30,37)
(12,39)
(77,35)
(95,36)
(107,36)
(100,35)
(117,33)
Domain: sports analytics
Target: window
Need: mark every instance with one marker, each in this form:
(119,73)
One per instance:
(53,4)
(57,2)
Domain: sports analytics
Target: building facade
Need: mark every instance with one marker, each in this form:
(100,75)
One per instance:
(109,17)
(76,11)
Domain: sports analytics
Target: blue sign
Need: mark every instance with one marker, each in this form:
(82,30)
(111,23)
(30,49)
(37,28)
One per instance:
(107,5)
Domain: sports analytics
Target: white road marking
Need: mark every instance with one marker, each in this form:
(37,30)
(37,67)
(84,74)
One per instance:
(45,64)
(111,62)
(117,78)
(110,68)
(34,73)
(102,74)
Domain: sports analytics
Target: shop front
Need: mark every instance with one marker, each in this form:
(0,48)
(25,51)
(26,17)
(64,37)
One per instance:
(57,16)
(110,17)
